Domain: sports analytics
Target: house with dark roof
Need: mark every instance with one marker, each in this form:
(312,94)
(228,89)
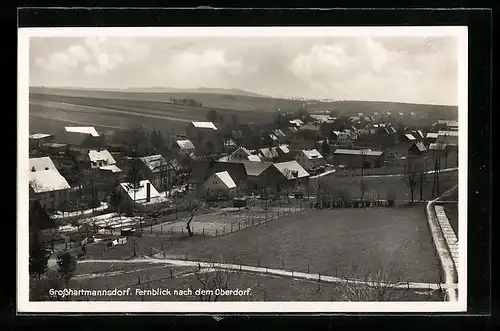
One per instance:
(282,176)
(39,219)
(157,170)
(203,169)
(205,136)
(357,158)
(80,138)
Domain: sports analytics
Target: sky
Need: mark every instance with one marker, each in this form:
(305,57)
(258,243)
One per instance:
(399,69)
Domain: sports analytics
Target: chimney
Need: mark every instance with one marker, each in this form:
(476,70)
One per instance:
(33,169)
(148,192)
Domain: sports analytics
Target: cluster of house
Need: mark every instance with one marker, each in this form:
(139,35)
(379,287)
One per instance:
(442,135)
(267,157)
(100,169)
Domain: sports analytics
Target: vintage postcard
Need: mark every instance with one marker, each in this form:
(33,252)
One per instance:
(269,169)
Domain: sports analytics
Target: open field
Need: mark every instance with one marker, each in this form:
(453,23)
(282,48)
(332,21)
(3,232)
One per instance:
(262,287)
(380,186)
(112,109)
(261,104)
(324,241)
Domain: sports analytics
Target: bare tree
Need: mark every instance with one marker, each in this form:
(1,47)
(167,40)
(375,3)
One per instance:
(423,180)
(373,286)
(193,206)
(208,280)
(363,188)
(410,178)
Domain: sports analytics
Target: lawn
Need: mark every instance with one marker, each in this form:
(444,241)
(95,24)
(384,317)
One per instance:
(380,186)
(326,241)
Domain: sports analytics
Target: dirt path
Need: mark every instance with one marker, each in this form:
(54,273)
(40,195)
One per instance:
(277,272)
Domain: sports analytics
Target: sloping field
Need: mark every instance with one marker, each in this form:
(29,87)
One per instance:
(249,103)
(381,186)
(344,241)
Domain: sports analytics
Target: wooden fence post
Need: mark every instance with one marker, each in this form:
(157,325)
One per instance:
(151,227)
(161,229)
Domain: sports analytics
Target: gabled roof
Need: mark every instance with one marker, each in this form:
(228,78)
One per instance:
(102,155)
(202,169)
(113,168)
(291,170)
(185,144)
(296,122)
(42,164)
(226,179)
(36,136)
(154,162)
(269,153)
(47,181)
(284,148)
(79,136)
(204,125)
(409,136)
(312,154)
(254,158)
(367,152)
(256,168)
(242,149)
(82,129)
(432,135)
(273,137)
(140,191)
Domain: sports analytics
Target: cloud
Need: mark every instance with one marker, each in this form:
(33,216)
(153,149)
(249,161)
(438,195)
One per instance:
(96,55)
(410,69)
(369,69)
(206,67)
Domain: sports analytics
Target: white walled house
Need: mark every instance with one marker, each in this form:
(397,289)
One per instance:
(47,184)
(310,159)
(220,183)
(184,146)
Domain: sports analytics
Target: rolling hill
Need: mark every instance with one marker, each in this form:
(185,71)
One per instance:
(108,107)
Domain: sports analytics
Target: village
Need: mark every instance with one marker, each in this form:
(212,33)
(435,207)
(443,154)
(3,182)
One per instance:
(94,191)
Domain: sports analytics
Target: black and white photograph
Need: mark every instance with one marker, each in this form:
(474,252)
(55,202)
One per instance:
(242,169)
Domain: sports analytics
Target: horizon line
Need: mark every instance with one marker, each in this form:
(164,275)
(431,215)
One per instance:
(256,94)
